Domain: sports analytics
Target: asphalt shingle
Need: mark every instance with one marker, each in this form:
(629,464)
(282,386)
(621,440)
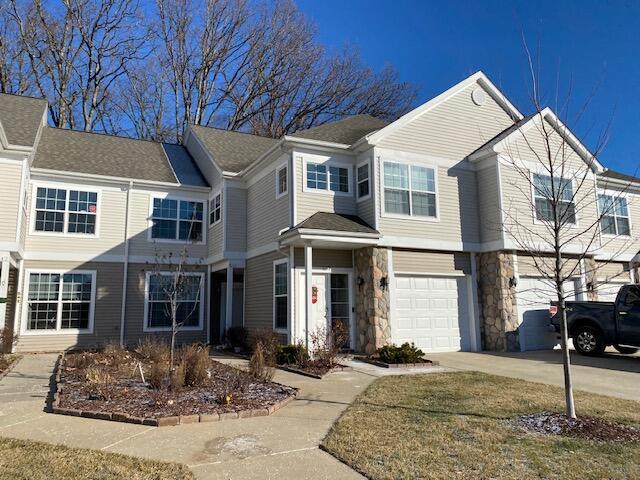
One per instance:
(346,131)
(21,117)
(338,222)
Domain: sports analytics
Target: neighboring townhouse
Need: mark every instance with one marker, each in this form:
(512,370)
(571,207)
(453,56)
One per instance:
(401,231)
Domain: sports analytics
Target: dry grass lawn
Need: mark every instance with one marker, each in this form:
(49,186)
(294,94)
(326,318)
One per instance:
(25,460)
(459,426)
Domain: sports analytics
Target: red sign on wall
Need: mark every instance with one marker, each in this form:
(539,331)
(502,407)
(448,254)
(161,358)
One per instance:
(314,295)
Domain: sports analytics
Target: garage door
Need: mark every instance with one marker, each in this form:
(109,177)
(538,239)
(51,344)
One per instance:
(534,297)
(431,312)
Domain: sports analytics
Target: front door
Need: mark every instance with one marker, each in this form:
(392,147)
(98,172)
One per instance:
(319,303)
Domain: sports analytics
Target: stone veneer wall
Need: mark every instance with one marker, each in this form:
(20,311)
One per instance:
(499,324)
(372,302)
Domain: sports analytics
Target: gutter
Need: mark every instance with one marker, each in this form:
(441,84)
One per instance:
(125,273)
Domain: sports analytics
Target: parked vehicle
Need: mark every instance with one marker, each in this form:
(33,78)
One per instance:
(595,325)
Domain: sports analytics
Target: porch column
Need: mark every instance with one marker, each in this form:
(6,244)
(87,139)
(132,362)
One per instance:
(308,269)
(229,301)
(4,286)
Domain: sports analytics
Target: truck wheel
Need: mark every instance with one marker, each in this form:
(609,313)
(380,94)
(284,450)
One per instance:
(625,350)
(588,341)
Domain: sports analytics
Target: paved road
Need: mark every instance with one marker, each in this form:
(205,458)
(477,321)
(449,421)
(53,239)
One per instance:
(612,374)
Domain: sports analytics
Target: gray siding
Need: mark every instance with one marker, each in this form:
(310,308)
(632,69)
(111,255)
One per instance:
(208,169)
(259,291)
(422,261)
(106,325)
(236,222)
(215,242)
(324,258)
(489,203)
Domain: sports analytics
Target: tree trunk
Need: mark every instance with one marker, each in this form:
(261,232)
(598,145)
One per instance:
(566,363)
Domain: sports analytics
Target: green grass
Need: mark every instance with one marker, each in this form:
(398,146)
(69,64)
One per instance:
(27,460)
(458,426)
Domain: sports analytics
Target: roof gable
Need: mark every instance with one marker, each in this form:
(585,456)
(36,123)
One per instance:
(21,118)
(346,131)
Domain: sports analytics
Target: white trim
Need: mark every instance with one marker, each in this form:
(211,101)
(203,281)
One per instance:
(327,164)
(199,327)
(409,189)
(58,331)
(17,315)
(536,220)
(366,162)
(391,274)
(285,330)
(294,189)
(215,194)
(178,198)
(292,298)
(125,267)
(613,194)
(65,225)
(279,194)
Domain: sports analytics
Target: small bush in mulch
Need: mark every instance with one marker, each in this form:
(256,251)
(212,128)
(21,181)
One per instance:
(405,353)
(111,381)
(590,428)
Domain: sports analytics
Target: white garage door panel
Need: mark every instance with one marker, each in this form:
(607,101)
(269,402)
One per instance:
(431,312)
(534,297)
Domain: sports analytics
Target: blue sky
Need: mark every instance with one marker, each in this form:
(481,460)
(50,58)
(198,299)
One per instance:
(591,45)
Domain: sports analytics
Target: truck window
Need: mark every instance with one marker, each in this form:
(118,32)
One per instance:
(632,296)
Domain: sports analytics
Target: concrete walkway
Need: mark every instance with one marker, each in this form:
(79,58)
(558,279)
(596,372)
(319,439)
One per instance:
(280,446)
(613,374)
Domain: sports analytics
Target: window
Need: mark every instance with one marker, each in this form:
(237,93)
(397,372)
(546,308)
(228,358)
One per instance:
(331,178)
(614,215)
(363,180)
(409,190)
(65,211)
(281,295)
(340,304)
(543,190)
(161,287)
(281,181)
(60,301)
(176,220)
(215,209)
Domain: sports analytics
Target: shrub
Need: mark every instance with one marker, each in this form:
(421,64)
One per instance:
(78,361)
(114,354)
(177,378)
(270,341)
(259,367)
(237,337)
(405,353)
(327,344)
(99,382)
(195,359)
(294,354)
(153,349)
(156,376)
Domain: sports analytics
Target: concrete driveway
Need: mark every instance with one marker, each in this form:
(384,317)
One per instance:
(281,446)
(612,374)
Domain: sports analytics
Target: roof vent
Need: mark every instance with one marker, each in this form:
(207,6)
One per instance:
(479,97)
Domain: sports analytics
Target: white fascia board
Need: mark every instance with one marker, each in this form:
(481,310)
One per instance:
(478,77)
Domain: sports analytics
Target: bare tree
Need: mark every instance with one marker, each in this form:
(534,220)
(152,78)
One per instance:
(15,74)
(551,177)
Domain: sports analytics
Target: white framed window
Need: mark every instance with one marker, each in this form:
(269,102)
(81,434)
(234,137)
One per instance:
(215,209)
(177,220)
(614,215)
(281,295)
(328,177)
(410,190)
(62,210)
(363,183)
(543,194)
(188,289)
(59,302)
(282,181)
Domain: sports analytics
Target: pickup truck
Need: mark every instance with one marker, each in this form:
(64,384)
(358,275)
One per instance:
(595,325)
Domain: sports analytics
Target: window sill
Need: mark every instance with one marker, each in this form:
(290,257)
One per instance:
(168,240)
(168,329)
(362,199)
(36,333)
(330,193)
(613,236)
(63,234)
(414,218)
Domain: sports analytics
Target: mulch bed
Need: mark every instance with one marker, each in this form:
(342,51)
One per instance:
(590,428)
(379,363)
(313,371)
(7,362)
(227,393)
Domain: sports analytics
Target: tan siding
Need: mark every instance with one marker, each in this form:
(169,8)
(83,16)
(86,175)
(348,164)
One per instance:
(458,212)
(325,258)
(532,266)
(259,291)
(111,219)
(139,230)
(453,129)
(107,308)
(617,271)
(489,204)
(134,319)
(421,261)
(625,245)
(11,175)
(266,215)
(309,203)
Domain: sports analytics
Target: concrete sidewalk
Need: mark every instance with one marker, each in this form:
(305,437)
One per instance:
(281,446)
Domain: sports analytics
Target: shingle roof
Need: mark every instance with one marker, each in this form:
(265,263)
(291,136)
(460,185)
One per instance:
(98,154)
(346,131)
(619,176)
(232,151)
(21,117)
(505,133)
(337,222)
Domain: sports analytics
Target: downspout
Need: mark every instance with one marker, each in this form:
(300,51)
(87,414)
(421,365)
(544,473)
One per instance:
(125,273)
